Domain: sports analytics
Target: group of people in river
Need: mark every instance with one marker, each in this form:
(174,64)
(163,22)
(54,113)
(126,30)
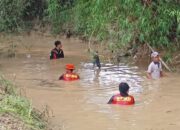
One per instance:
(122,98)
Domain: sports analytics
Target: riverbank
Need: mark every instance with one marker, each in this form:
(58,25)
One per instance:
(139,53)
(17,112)
(75,104)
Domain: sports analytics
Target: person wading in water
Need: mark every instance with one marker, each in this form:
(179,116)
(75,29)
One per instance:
(57,52)
(123,98)
(155,67)
(69,75)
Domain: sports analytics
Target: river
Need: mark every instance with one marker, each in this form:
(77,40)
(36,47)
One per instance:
(82,105)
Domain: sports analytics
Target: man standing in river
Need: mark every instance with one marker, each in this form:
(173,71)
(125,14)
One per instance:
(155,67)
(57,52)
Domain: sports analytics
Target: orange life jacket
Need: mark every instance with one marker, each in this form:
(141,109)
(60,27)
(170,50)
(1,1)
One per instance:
(118,99)
(70,77)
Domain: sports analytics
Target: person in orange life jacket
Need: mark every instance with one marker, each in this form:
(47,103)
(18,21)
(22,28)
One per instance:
(69,75)
(123,98)
(57,52)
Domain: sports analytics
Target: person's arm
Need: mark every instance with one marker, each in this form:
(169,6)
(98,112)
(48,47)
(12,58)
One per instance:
(149,75)
(111,100)
(161,71)
(51,55)
(149,71)
(132,99)
(54,56)
(78,77)
(61,77)
(62,54)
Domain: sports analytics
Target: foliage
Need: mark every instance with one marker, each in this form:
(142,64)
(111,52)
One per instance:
(34,9)
(11,12)
(21,107)
(124,21)
(58,13)
(119,21)
(167,57)
(12,103)
(7,86)
(14,14)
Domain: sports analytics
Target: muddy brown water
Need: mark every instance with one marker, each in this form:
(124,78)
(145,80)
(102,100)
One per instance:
(82,105)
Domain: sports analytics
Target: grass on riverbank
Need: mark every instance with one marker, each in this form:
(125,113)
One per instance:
(18,107)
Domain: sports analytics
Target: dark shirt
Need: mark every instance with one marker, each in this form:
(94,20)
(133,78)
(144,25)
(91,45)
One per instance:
(56,54)
(97,61)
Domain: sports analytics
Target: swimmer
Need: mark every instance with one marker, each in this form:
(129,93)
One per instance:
(57,52)
(69,75)
(96,60)
(155,67)
(123,98)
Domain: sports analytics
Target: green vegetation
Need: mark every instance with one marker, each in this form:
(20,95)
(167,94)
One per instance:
(121,22)
(12,103)
(11,13)
(15,15)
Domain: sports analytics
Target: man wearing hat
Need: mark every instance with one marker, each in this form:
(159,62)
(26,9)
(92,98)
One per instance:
(155,68)
(69,75)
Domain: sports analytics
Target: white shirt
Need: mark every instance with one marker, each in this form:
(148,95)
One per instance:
(155,70)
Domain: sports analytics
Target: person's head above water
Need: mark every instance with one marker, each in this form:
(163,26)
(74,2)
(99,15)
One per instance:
(124,89)
(70,67)
(58,44)
(155,56)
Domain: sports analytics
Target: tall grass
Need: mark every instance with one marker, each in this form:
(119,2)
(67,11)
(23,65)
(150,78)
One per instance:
(11,102)
(17,15)
(123,21)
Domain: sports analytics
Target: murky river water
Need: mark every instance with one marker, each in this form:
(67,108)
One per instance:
(82,105)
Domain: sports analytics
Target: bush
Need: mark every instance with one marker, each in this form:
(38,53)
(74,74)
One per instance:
(120,21)
(59,14)
(15,13)
(11,12)
(34,9)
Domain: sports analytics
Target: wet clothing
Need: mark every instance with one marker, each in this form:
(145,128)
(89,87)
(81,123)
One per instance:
(120,100)
(155,69)
(56,54)
(69,77)
(96,61)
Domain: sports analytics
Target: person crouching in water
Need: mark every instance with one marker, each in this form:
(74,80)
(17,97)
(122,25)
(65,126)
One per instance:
(69,75)
(96,60)
(155,68)
(57,52)
(123,98)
